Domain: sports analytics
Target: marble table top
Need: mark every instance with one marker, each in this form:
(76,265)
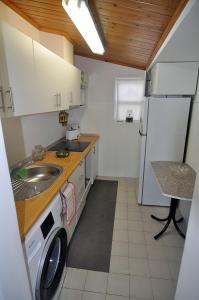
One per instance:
(176,179)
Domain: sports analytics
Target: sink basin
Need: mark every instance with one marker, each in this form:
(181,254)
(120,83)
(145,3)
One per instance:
(33,179)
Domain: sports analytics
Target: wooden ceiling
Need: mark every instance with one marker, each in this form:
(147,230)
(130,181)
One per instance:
(133,30)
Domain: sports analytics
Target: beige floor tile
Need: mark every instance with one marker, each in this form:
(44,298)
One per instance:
(147,209)
(159,269)
(174,268)
(114,297)
(93,296)
(139,267)
(172,239)
(163,289)
(173,253)
(68,294)
(119,264)
(156,252)
(120,224)
(137,251)
(141,287)
(151,227)
(120,235)
(135,225)
(134,216)
(121,214)
(75,279)
(136,237)
(120,248)
(149,238)
(96,282)
(118,284)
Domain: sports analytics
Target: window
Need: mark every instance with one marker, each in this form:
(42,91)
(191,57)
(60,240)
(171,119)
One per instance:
(129,95)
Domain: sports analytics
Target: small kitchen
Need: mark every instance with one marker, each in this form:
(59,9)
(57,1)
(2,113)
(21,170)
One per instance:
(99,151)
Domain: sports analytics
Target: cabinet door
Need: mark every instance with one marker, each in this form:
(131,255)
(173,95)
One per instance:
(2,103)
(94,163)
(75,81)
(18,71)
(47,78)
(63,83)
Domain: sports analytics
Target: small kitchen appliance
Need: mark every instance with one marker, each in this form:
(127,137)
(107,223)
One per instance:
(73,133)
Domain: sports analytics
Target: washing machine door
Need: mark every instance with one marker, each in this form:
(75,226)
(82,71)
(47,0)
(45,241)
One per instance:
(51,265)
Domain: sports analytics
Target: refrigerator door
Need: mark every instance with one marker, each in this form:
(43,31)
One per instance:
(140,179)
(142,143)
(144,117)
(166,134)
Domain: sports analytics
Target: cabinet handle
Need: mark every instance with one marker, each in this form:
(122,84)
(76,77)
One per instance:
(9,92)
(71,97)
(57,100)
(81,162)
(60,99)
(94,149)
(2,99)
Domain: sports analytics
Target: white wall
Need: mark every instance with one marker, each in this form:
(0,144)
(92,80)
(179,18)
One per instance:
(192,157)
(118,146)
(41,129)
(187,287)
(21,134)
(13,275)
(57,44)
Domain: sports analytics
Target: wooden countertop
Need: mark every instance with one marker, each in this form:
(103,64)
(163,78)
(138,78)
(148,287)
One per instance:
(176,179)
(28,211)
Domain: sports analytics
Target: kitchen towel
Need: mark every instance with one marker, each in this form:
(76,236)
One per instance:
(68,201)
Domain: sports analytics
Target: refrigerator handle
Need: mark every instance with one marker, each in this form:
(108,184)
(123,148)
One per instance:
(141,134)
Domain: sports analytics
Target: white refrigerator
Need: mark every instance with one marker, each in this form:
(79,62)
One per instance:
(162,133)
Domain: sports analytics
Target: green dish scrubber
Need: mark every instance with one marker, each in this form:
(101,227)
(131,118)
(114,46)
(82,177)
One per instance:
(22,173)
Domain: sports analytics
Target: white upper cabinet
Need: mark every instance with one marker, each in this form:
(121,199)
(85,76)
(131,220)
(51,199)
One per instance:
(17,71)
(75,82)
(33,79)
(47,77)
(174,78)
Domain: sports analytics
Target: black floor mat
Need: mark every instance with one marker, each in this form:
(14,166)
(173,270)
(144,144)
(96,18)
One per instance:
(90,247)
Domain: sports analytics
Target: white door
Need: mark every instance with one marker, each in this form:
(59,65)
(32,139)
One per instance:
(18,72)
(47,79)
(166,134)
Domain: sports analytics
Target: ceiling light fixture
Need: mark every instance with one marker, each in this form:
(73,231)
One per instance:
(79,13)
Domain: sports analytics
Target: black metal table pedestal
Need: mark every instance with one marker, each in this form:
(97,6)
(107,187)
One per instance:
(171,217)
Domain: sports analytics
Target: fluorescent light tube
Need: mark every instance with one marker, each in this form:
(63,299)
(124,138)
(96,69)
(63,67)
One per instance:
(80,15)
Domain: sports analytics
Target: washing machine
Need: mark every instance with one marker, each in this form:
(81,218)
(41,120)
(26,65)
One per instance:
(45,250)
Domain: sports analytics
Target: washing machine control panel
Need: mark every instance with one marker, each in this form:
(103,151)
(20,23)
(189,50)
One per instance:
(47,225)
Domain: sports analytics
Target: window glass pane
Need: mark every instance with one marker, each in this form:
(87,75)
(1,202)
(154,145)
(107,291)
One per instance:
(129,94)
(129,90)
(123,111)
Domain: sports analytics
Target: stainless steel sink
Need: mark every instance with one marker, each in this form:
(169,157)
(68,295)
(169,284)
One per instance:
(33,179)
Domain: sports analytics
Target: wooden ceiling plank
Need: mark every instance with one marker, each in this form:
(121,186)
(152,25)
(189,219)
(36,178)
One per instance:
(20,12)
(123,17)
(140,6)
(117,62)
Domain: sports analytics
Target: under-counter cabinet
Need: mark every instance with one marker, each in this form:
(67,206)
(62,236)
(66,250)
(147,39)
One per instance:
(78,179)
(17,72)
(92,164)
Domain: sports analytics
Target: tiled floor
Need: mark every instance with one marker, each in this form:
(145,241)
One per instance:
(140,268)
